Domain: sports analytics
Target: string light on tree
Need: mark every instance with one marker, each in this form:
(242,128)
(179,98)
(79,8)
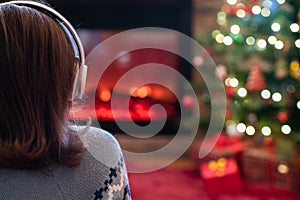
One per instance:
(221,18)
(256,10)
(294,27)
(227,40)
(286,129)
(250,40)
(233,82)
(241,127)
(297,43)
(275,27)
(272,40)
(260,42)
(250,130)
(266,131)
(220,38)
(265,12)
(280,1)
(279,44)
(227,81)
(215,33)
(231,2)
(277,97)
(298,105)
(235,29)
(242,92)
(241,13)
(265,94)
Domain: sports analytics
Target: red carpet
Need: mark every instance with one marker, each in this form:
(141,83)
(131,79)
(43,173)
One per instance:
(175,184)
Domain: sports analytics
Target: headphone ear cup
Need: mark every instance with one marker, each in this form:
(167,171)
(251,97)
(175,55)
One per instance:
(82,80)
(79,83)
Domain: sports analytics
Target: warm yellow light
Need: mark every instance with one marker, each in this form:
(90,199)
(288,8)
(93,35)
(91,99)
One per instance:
(280,1)
(240,13)
(283,168)
(220,38)
(294,66)
(221,18)
(215,33)
(231,2)
(233,82)
(144,91)
(272,40)
(250,40)
(265,12)
(250,130)
(221,15)
(221,22)
(240,5)
(105,95)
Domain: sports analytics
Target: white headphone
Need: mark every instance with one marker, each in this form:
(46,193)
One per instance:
(81,73)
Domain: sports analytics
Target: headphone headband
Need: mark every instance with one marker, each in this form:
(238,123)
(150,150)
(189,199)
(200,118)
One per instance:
(79,82)
(65,25)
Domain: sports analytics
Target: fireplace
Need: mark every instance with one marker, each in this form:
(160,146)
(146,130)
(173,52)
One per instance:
(100,20)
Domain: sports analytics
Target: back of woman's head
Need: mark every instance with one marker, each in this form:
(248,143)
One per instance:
(37,70)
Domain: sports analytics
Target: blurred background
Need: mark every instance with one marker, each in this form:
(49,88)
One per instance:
(255,45)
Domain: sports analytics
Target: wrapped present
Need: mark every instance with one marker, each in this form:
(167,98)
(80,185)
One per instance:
(264,165)
(287,174)
(256,165)
(221,176)
(224,147)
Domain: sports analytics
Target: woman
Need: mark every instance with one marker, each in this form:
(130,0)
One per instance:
(41,156)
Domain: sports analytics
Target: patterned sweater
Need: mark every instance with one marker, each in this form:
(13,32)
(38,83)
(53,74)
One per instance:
(101,175)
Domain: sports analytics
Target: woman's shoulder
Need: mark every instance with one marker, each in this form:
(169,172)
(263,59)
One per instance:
(100,144)
(102,166)
(91,135)
(101,175)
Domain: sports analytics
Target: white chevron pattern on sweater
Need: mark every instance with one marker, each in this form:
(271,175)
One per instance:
(117,187)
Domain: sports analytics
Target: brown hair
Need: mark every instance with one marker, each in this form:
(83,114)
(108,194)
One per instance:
(37,71)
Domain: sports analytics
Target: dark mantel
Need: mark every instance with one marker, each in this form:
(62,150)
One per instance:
(127,14)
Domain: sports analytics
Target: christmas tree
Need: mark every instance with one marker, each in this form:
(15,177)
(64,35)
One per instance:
(259,42)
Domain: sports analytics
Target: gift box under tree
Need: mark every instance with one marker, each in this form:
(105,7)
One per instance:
(224,147)
(266,164)
(219,169)
(221,176)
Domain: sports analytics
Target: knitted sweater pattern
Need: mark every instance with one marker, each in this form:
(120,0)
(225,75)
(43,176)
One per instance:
(94,179)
